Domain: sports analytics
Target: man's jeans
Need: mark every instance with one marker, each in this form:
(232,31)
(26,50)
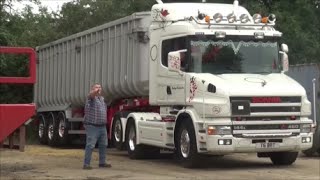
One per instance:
(94,134)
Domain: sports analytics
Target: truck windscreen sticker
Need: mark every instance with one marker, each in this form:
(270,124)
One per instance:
(235,45)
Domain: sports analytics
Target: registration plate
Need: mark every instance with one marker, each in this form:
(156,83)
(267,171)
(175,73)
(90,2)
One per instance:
(267,145)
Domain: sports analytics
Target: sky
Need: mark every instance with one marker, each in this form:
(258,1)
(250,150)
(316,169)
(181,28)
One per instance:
(53,5)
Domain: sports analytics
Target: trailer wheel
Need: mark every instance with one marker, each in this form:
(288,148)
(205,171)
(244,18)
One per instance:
(186,147)
(283,158)
(42,129)
(117,132)
(135,151)
(62,128)
(52,131)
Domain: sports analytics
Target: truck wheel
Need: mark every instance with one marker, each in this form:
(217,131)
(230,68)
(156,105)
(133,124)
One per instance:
(62,128)
(186,147)
(52,130)
(310,152)
(117,132)
(135,151)
(283,158)
(42,129)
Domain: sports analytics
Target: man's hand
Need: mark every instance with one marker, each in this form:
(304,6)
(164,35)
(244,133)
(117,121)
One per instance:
(95,91)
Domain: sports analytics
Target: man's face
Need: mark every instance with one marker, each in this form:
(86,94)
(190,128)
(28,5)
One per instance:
(97,88)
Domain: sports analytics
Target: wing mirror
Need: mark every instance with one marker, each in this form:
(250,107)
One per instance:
(284,57)
(284,48)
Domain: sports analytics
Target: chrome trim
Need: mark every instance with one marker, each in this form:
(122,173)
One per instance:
(266,135)
(266,131)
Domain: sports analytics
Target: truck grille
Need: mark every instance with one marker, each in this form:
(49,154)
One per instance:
(266,106)
(265,116)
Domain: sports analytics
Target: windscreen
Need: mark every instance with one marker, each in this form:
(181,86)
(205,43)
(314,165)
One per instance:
(234,55)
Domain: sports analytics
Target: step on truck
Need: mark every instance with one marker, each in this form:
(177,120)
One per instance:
(195,78)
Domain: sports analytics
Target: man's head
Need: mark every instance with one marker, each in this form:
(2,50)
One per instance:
(96,88)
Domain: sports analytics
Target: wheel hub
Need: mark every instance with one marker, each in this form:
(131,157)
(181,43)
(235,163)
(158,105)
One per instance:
(50,132)
(61,127)
(185,143)
(132,139)
(117,131)
(41,129)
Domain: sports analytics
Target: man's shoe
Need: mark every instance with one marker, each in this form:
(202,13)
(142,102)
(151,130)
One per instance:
(105,165)
(87,167)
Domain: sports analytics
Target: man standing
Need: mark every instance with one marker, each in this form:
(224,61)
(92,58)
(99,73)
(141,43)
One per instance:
(95,125)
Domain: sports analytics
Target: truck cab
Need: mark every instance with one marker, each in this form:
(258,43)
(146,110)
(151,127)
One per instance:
(218,72)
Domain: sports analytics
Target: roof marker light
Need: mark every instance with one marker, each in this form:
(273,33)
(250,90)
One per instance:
(264,20)
(220,34)
(259,35)
(207,19)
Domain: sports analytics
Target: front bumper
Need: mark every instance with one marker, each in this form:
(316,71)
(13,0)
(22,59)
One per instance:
(243,145)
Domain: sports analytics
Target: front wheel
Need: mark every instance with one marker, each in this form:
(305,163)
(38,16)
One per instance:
(186,147)
(283,158)
(135,151)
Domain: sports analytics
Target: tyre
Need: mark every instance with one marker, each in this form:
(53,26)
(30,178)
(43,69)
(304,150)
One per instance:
(42,129)
(186,146)
(135,151)
(310,152)
(315,144)
(62,128)
(53,133)
(117,132)
(283,158)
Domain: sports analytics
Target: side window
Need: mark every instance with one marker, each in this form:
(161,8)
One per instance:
(172,45)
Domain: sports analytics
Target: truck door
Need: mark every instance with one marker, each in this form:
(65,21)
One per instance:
(171,85)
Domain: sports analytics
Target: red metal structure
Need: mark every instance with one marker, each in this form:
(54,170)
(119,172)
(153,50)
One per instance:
(13,116)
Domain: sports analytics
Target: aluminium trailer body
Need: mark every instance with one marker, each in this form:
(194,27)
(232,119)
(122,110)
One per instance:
(114,54)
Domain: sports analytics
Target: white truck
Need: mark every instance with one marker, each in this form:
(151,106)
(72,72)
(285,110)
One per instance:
(196,78)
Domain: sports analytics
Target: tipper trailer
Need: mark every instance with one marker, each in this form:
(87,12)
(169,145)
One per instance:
(196,78)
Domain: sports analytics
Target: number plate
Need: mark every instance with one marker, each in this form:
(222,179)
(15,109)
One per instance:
(267,145)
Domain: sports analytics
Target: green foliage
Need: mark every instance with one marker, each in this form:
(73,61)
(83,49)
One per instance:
(299,20)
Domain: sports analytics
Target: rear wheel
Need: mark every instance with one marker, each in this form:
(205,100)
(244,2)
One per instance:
(117,132)
(186,148)
(52,130)
(283,158)
(42,129)
(62,128)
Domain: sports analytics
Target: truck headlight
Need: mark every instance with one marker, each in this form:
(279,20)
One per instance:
(219,130)
(306,128)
